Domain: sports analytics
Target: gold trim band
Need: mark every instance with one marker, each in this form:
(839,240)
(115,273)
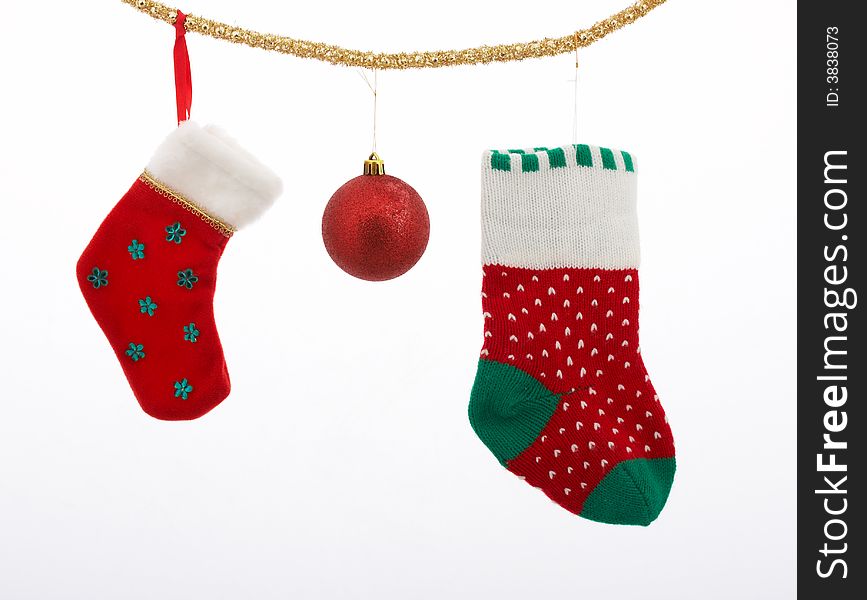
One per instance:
(164,190)
(338,55)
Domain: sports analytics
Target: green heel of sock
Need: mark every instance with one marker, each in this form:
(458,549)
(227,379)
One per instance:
(508,408)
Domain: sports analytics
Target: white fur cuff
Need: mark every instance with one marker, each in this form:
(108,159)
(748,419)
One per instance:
(209,168)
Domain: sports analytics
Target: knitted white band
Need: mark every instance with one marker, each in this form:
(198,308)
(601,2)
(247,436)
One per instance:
(572,206)
(206,166)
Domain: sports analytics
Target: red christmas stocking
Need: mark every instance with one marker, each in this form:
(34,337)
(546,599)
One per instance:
(562,397)
(148,275)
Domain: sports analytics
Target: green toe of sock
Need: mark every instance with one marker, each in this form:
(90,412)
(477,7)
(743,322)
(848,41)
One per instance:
(633,493)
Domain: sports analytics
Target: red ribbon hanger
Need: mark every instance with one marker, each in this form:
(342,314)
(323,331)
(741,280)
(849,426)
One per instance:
(183,78)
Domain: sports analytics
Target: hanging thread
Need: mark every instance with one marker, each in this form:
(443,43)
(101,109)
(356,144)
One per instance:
(374,88)
(575,101)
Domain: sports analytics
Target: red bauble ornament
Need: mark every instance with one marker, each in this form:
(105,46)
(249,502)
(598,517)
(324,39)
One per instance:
(375,227)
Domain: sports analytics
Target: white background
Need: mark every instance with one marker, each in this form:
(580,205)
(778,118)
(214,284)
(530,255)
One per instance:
(343,465)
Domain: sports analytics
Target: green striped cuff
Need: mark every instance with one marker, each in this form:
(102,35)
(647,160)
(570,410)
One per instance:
(540,158)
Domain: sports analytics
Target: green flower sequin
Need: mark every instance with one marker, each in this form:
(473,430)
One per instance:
(187,278)
(191,334)
(175,233)
(183,389)
(147,306)
(98,278)
(136,250)
(135,352)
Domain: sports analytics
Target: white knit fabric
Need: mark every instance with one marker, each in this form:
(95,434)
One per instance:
(557,217)
(206,166)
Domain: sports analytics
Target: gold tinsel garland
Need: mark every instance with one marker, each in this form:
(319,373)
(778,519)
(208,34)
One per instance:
(401,60)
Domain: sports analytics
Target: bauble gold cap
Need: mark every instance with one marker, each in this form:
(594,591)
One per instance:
(374,165)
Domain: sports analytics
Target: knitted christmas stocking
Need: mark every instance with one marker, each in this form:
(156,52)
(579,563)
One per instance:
(562,397)
(148,275)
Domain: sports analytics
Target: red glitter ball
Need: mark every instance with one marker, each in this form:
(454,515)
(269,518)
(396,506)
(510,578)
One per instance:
(375,227)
